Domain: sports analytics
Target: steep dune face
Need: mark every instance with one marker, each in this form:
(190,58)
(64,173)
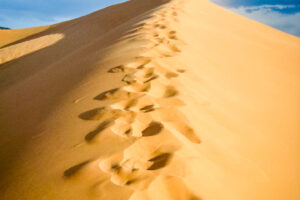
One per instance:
(151,99)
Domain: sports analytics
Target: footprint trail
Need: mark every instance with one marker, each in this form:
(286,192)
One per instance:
(145,109)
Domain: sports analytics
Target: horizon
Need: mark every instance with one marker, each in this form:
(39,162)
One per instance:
(19,14)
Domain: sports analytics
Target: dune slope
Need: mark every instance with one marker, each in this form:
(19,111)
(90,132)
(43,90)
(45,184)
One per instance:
(147,100)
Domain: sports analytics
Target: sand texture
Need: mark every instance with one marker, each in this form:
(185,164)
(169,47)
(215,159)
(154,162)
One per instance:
(150,100)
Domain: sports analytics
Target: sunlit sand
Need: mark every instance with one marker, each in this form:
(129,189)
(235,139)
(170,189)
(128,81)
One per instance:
(150,100)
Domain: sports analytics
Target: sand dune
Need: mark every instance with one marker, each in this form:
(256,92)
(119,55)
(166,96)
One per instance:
(9,37)
(147,100)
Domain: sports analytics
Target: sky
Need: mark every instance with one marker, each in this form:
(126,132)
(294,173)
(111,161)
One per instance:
(29,13)
(281,14)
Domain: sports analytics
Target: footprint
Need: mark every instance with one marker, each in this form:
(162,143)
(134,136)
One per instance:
(140,67)
(181,70)
(100,113)
(155,35)
(140,124)
(116,94)
(166,55)
(137,88)
(94,114)
(174,48)
(147,108)
(172,35)
(122,125)
(150,110)
(170,75)
(163,27)
(130,182)
(149,73)
(170,92)
(151,79)
(153,128)
(119,175)
(117,69)
(133,167)
(105,95)
(125,104)
(129,79)
(160,161)
(72,171)
(144,74)
(104,125)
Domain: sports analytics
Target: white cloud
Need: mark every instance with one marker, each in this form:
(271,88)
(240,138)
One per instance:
(267,15)
(281,7)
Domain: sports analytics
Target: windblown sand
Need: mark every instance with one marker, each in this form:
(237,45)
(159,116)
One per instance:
(150,100)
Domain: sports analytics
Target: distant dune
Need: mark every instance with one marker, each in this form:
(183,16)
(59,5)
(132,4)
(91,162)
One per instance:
(150,100)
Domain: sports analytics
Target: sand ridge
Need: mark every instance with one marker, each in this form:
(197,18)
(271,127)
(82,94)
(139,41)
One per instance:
(145,109)
(150,99)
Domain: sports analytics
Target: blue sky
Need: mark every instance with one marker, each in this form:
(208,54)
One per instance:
(28,13)
(280,14)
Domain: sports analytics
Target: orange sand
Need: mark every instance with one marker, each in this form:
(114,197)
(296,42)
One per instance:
(148,100)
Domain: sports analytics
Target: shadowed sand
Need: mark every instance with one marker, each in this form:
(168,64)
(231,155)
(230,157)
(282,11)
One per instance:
(173,100)
(73,170)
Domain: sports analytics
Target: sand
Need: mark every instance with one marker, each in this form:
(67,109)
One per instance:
(148,100)
(9,36)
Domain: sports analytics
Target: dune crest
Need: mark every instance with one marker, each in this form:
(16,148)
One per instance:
(150,99)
